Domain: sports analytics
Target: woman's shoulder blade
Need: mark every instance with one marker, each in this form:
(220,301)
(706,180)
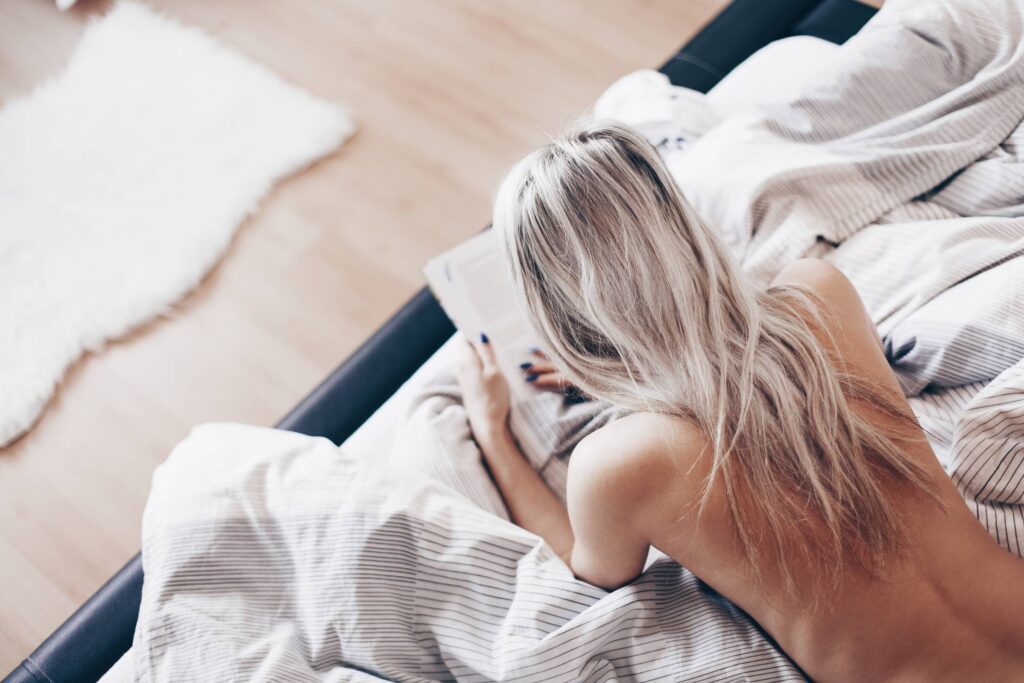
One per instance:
(638,454)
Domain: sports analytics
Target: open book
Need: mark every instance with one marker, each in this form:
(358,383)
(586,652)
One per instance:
(475,290)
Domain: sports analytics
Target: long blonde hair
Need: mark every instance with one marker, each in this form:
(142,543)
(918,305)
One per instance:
(639,304)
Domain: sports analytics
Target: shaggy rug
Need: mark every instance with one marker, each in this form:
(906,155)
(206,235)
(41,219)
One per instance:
(122,182)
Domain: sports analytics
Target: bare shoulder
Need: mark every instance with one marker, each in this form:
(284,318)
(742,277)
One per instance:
(840,306)
(827,281)
(849,328)
(633,484)
(618,480)
(626,462)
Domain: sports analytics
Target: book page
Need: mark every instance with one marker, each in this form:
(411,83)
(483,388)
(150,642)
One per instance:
(475,290)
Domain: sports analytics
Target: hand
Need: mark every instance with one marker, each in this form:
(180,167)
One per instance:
(541,373)
(485,393)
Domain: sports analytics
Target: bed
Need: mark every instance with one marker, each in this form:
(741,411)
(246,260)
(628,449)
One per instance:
(358,402)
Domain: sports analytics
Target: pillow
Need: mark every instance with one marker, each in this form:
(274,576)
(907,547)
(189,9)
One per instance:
(773,72)
(670,116)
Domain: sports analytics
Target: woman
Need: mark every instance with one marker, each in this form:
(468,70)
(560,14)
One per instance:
(770,449)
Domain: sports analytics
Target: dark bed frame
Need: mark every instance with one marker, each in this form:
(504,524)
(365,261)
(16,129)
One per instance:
(101,630)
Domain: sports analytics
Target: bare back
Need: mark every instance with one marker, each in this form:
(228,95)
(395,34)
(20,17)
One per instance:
(948,611)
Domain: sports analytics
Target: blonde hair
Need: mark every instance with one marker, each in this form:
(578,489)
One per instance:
(639,304)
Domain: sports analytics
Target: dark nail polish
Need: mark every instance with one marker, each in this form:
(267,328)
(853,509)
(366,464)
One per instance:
(526,366)
(484,339)
(530,378)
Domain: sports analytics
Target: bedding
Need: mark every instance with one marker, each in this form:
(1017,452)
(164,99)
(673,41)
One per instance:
(295,561)
(906,151)
(291,559)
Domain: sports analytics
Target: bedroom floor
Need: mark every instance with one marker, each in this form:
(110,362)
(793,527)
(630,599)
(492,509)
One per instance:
(447,94)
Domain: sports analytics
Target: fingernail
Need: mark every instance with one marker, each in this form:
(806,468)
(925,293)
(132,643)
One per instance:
(534,349)
(530,378)
(484,339)
(526,366)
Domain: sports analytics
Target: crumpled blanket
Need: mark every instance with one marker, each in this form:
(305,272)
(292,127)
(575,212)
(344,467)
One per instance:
(286,559)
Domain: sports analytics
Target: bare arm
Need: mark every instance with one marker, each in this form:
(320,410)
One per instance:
(609,495)
(600,544)
(598,536)
(531,504)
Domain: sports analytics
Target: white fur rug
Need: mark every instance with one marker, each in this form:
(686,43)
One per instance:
(122,182)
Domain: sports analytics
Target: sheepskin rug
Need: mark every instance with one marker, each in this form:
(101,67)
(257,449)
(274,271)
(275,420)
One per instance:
(122,182)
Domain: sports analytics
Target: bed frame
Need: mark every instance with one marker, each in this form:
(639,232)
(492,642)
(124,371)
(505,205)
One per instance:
(101,630)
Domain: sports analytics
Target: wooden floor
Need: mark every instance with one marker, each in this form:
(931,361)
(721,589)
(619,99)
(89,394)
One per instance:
(447,94)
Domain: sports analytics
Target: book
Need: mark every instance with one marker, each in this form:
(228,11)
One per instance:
(475,289)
